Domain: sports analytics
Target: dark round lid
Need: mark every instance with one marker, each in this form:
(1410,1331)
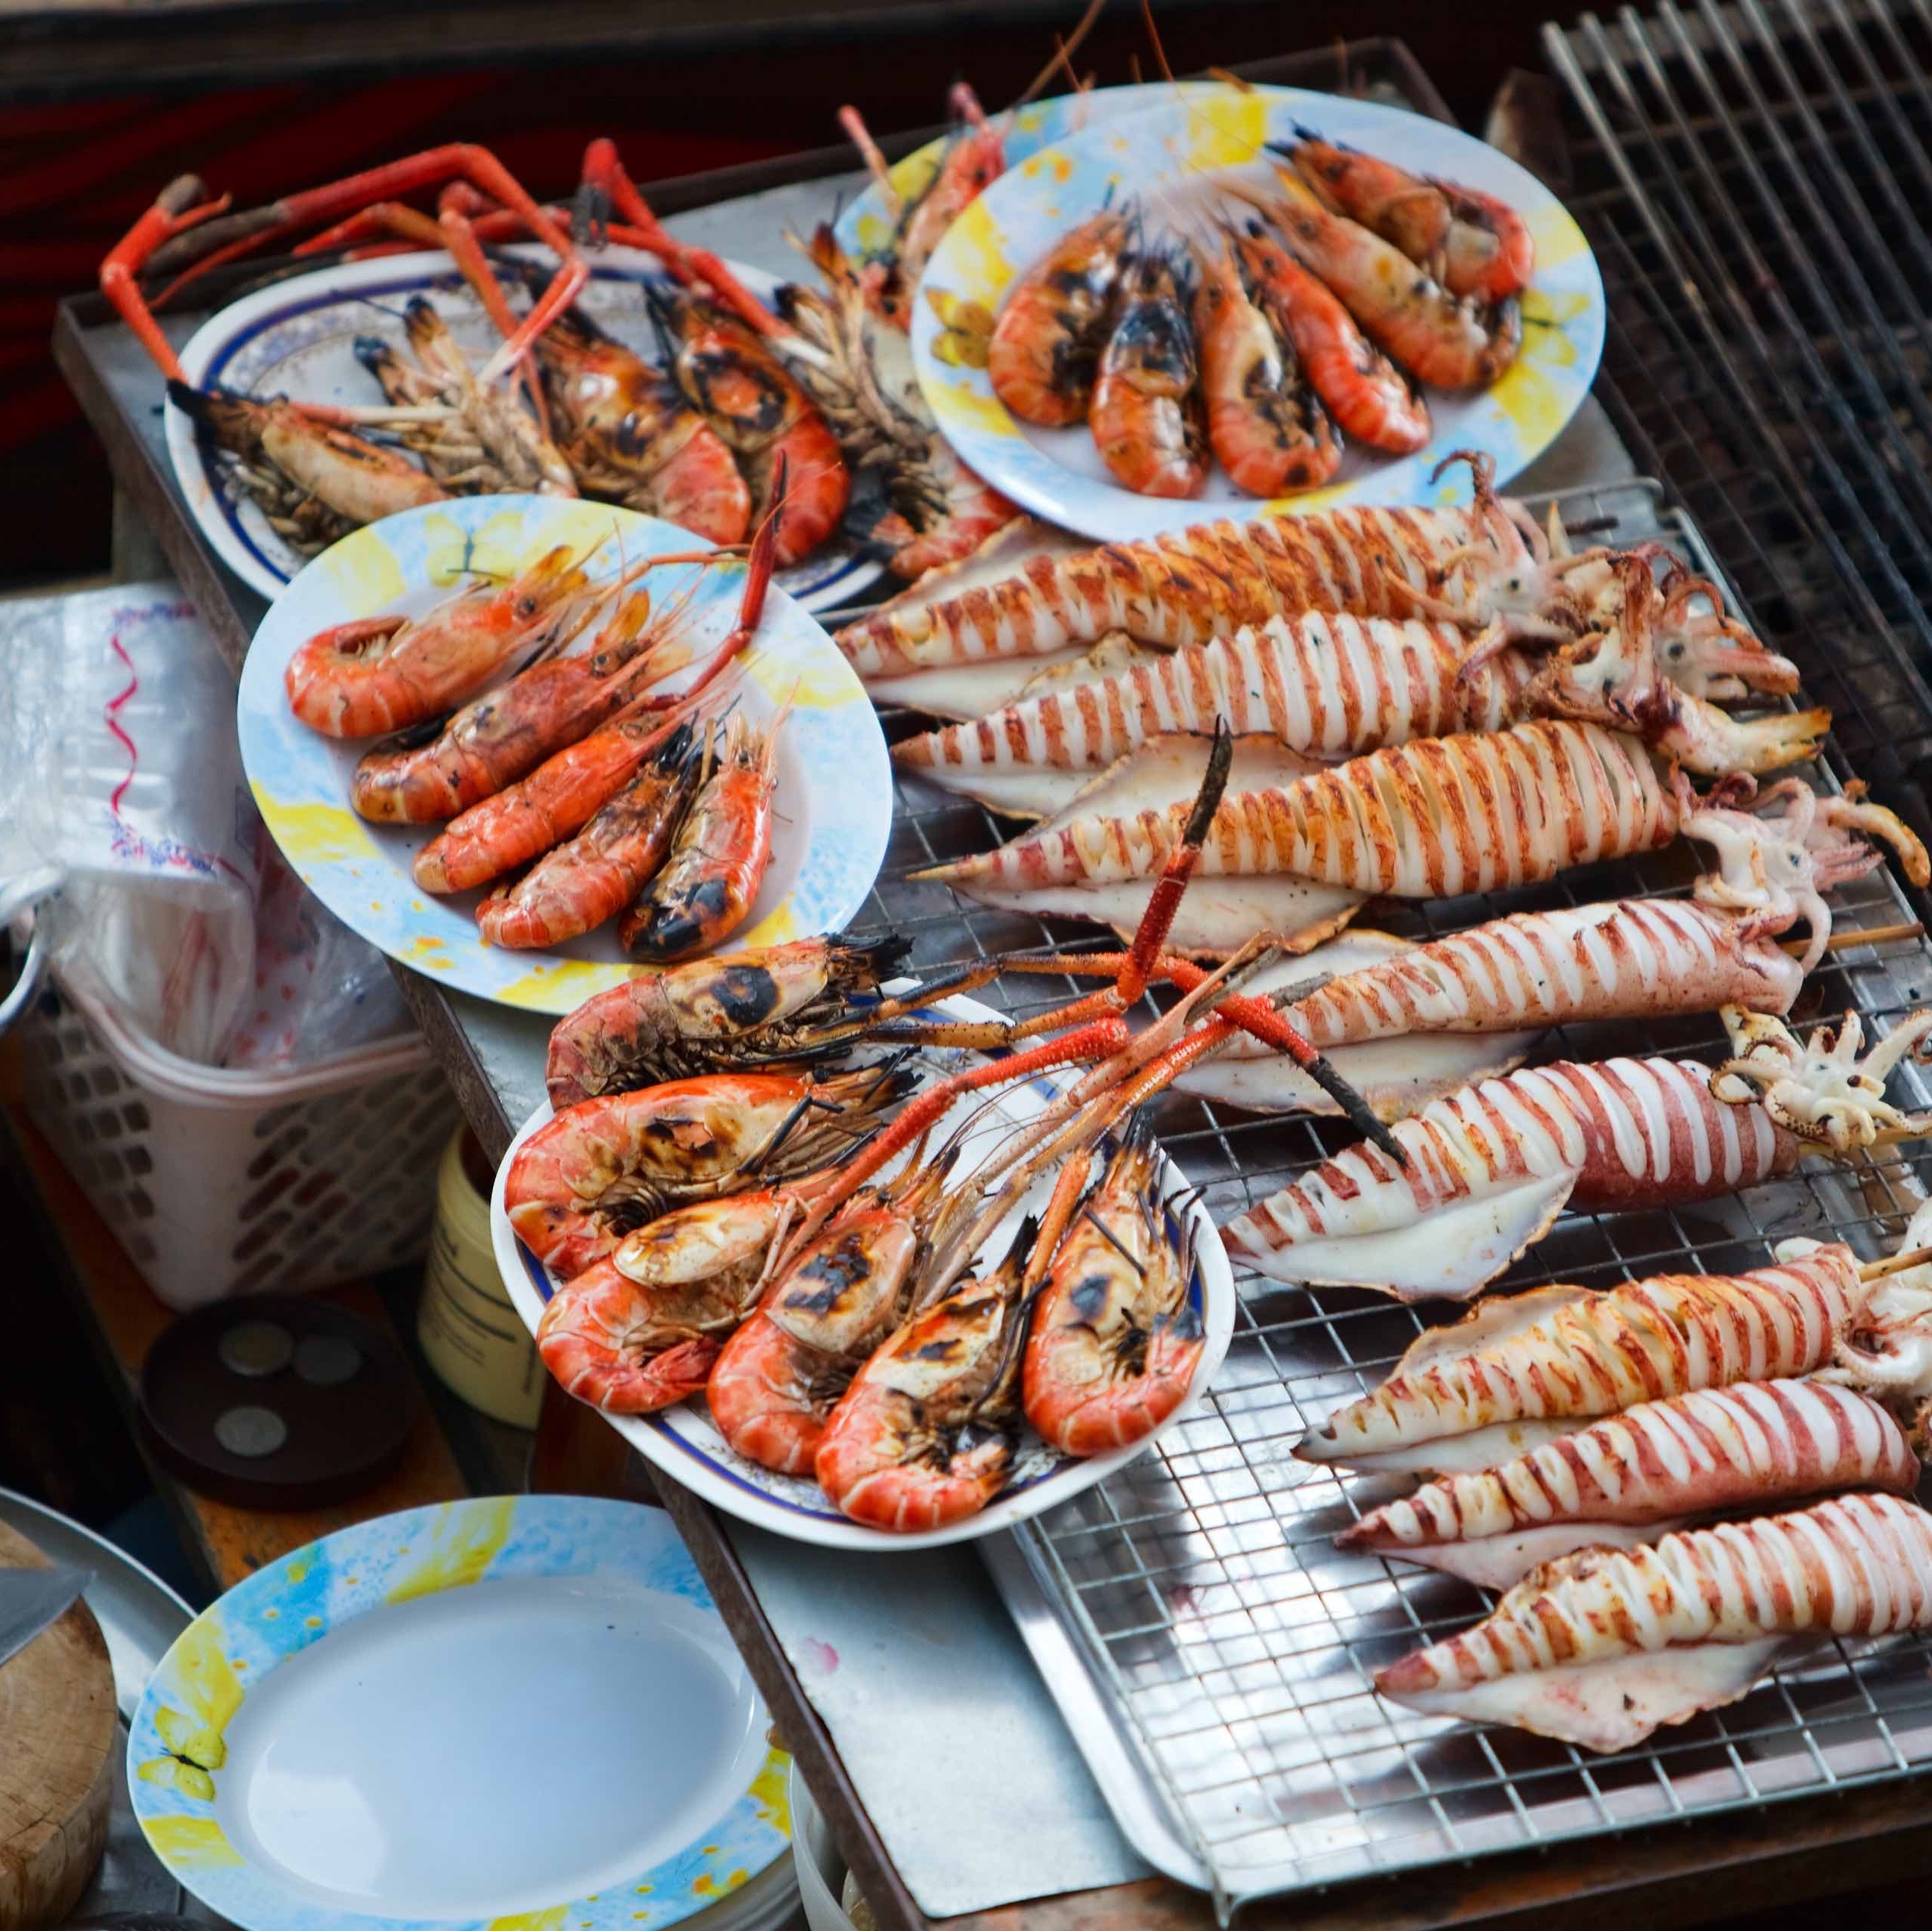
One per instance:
(276,1400)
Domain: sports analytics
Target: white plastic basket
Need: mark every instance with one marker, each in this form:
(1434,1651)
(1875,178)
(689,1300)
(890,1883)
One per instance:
(221,1182)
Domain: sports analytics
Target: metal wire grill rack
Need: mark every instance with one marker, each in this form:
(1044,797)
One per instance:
(1233,1645)
(1750,177)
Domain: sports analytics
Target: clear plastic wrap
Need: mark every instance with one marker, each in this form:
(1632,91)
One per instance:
(126,823)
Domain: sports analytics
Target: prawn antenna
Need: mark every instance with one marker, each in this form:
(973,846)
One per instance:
(1154,38)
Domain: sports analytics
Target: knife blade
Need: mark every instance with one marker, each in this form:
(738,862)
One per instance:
(31,1599)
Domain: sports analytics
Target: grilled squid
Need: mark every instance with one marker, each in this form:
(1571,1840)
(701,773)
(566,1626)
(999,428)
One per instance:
(1489,1168)
(1605,1646)
(1406,1023)
(1635,1476)
(1297,848)
(1519,1371)
(1332,685)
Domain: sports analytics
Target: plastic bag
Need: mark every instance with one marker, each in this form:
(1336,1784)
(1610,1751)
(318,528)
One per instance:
(124,817)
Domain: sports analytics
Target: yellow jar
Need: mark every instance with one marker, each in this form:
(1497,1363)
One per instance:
(471,1335)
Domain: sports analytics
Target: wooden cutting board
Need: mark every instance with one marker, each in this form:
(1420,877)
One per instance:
(57,1735)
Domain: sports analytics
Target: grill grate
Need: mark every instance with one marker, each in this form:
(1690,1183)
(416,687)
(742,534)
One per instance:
(1748,175)
(1233,1643)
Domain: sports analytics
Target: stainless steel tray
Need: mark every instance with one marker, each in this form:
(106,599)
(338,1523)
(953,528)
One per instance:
(1211,1651)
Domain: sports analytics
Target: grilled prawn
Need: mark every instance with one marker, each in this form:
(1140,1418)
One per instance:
(1045,348)
(1367,394)
(717,862)
(506,732)
(1474,244)
(575,886)
(1450,344)
(1265,423)
(484,440)
(1114,1341)
(599,1169)
(386,674)
(924,1436)
(1653,1468)
(1603,1648)
(1146,412)
(1490,1167)
(315,481)
(731,1010)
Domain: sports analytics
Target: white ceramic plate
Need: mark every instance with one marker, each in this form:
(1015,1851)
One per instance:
(1167,156)
(832,809)
(297,338)
(683,1441)
(520,1708)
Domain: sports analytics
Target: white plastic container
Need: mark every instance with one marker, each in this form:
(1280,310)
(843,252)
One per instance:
(821,1870)
(220,1182)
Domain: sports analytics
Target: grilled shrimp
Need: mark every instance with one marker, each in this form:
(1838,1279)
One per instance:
(486,440)
(1266,425)
(711,878)
(575,886)
(385,674)
(1472,242)
(780,1375)
(731,1009)
(1045,347)
(1454,345)
(924,1436)
(1146,414)
(506,732)
(554,802)
(599,1169)
(757,406)
(315,482)
(631,436)
(629,1334)
(1115,1339)
(1367,394)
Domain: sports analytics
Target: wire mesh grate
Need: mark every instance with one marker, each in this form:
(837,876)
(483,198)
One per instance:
(1234,1645)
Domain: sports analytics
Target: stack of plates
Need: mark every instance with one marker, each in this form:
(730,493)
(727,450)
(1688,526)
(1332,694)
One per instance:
(524,1706)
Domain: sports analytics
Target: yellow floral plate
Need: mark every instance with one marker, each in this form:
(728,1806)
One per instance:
(519,1713)
(831,811)
(1169,157)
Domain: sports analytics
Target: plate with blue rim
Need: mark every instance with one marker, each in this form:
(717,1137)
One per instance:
(685,1443)
(296,337)
(517,1708)
(832,808)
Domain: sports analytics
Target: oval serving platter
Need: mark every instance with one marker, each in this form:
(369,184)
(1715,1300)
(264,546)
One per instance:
(296,337)
(1166,155)
(832,812)
(348,1737)
(683,1441)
